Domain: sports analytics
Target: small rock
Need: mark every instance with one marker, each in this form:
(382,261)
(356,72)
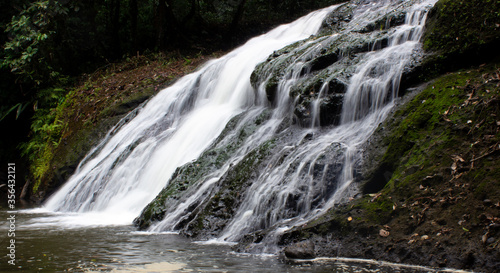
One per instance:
(300,250)
(425,237)
(490,240)
(384,233)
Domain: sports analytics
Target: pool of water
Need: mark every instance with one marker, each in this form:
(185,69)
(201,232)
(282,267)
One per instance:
(44,243)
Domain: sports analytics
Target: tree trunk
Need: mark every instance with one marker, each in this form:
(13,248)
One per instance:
(192,12)
(133,13)
(233,29)
(115,28)
(166,24)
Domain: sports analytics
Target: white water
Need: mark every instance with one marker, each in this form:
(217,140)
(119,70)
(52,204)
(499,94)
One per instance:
(367,102)
(130,167)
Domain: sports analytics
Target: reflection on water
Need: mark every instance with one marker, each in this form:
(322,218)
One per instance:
(44,246)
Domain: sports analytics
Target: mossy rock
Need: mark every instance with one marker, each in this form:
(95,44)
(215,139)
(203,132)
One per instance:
(186,177)
(331,65)
(464,32)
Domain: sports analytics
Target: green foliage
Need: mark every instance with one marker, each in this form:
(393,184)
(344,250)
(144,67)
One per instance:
(27,52)
(19,108)
(46,131)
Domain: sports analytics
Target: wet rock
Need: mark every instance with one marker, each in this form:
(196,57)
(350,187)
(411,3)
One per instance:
(324,61)
(300,250)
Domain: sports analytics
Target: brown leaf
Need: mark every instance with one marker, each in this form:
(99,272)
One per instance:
(457,158)
(376,197)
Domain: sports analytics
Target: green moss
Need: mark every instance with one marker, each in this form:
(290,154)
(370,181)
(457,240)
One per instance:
(232,185)
(459,26)
(423,119)
(377,211)
(448,118)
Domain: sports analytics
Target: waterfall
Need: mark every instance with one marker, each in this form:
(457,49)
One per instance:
(136,159)
(285,196)
(308,170)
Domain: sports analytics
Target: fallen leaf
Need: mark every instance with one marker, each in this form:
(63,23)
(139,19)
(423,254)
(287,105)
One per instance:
(458,158)
(376,197)
(454,167)
(485,238)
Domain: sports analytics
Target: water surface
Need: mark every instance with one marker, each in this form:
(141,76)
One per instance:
(46,242)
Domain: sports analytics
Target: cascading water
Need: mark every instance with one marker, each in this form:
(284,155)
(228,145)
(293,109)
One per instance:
(313,171)
(306,170)
(135,161)
(285,196)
